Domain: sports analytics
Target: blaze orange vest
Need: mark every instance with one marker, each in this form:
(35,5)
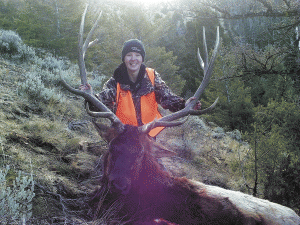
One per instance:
(149,107)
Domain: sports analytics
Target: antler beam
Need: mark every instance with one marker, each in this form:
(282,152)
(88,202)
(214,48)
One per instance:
(87,95)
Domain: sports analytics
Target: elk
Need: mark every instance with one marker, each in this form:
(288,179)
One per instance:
(148,194)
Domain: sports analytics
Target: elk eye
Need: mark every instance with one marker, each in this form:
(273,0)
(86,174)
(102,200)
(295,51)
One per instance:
(142,150)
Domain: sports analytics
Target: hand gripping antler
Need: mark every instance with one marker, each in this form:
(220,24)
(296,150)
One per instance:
(207,66)
(87,95)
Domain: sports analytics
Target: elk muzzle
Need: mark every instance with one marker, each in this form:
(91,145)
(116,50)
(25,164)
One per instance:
(120,185)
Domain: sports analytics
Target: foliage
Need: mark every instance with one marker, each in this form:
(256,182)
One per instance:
(15,200)
(42,82)
(49,25)
(164,61)
(35,89)
(34,27)
(6,15)
(12,46)
(268,149)
(240,107)
(286,115)
(259,70)
(235,109)
(274,154)
(282,186)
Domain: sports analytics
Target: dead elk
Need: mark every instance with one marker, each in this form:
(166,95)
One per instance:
(133,176)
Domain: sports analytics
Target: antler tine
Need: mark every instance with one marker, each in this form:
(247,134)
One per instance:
(202,64)
(94,101)
(81,62)
(205,50)
(212,59)
(108,115)
(157,123)
(84,46)
(207,66)
(87,43)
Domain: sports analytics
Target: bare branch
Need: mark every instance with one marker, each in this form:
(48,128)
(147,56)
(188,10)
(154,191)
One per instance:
(266,4)
(266,11)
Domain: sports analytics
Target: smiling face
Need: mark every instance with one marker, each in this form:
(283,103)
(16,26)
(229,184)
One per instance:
(133,62)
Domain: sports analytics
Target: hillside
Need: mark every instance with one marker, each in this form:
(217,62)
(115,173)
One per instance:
(51,141)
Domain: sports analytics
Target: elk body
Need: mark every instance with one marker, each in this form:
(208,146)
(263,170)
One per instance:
(133,177)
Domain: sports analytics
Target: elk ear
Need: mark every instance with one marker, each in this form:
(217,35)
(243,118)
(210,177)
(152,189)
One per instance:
(159,151)
(106,132)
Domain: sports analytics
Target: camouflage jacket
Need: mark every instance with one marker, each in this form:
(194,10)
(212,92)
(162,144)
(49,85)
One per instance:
(164,96)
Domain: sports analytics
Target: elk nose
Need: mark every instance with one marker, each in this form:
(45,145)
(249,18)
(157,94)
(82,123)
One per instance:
(121,185)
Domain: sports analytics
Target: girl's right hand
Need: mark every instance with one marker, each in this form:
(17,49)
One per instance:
(86,88)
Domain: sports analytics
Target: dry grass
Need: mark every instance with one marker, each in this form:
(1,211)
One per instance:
(38,133)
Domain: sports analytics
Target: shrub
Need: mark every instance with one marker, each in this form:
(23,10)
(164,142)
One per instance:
(15,200)
(36,90)
(235,134)
(12,46)
(42,81)
(218,133)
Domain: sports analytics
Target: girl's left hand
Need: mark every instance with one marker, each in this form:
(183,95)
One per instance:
(197,105)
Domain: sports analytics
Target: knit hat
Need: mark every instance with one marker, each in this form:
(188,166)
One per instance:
(133,45)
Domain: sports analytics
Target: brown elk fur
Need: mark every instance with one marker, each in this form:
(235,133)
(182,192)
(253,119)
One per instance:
(147,192)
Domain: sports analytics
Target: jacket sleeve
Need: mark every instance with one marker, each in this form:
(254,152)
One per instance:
(165,97)
(108,95)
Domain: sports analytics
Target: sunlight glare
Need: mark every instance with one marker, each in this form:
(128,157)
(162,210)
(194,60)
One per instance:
(150,2)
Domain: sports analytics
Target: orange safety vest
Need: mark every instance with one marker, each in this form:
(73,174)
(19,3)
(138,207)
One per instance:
(149,107)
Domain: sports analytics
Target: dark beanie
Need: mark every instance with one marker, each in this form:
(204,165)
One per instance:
(133,45)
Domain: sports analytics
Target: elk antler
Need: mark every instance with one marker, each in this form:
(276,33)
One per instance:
(207,66)
(87,95)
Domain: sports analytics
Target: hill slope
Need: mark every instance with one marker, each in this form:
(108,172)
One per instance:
(50,140)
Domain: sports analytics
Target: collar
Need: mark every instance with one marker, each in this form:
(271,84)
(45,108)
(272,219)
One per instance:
(141,87)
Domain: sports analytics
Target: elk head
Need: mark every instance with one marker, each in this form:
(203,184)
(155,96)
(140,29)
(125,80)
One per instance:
(127,149)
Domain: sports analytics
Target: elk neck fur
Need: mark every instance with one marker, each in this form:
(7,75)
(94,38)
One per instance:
(155,193)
